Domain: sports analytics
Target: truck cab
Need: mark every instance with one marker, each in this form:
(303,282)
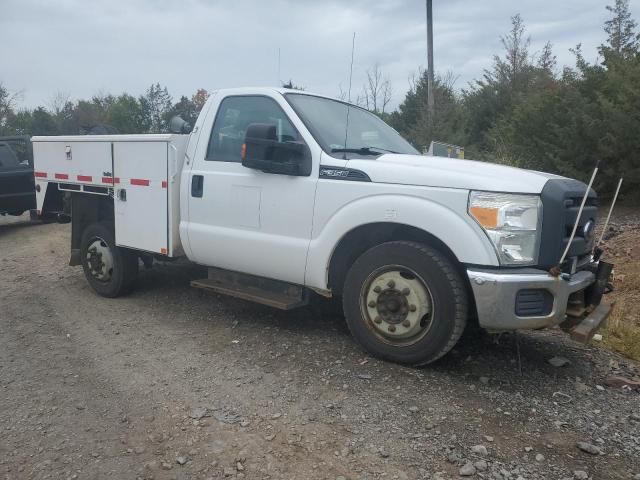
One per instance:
(282,193)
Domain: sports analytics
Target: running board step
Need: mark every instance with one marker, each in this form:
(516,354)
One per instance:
(273,293)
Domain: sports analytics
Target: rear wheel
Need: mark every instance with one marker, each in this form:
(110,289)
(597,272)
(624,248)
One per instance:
(405,302)
(111,271)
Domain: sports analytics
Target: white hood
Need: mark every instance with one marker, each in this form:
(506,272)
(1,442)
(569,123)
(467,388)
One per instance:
(450,173)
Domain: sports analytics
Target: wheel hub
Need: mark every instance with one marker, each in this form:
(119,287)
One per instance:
(397,304)
(100,260)
(392,306)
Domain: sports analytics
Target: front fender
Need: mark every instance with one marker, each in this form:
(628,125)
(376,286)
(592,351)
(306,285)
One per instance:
(444,218)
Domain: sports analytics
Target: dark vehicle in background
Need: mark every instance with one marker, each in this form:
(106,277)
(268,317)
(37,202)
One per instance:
(17,186)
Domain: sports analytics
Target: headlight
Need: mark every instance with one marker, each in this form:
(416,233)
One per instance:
(512,223)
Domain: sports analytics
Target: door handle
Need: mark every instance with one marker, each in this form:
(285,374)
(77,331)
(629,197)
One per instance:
(197,186)
(122,195)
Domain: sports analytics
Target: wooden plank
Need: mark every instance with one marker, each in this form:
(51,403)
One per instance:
(584,331)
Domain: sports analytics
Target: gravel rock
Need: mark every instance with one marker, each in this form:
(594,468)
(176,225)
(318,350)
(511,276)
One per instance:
(454,458)
(589,448)
(480,450)
(580,475)
(481,465)
(558,361)
(181,460)
(467,470)
(198,413)
(539,458)
(636,476)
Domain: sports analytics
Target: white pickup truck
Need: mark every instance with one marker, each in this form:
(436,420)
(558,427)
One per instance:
(284,194)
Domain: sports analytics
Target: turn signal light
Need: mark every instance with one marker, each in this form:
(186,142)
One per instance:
(487,217)
(243,151)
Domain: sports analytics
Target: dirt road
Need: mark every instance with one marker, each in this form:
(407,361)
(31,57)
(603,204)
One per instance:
(173,383)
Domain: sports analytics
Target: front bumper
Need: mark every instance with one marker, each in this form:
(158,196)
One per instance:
(496,294)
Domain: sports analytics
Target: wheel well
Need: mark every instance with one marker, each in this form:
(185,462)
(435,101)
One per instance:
(362,238)
(87,209)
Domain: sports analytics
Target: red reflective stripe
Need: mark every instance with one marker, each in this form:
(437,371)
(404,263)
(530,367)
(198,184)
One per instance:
(164,184)
(140,181)
(110,180)
(40,174)
(84,178)
(61,176)
(116,180)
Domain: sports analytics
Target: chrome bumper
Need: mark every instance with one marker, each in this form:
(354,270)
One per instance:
(495,295)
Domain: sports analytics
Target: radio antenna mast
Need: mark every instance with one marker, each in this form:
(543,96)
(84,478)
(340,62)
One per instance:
(279,77)
(606,223)
(346,130)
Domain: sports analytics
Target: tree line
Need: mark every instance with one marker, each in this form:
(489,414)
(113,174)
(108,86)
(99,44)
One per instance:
(148,113)
(524,111)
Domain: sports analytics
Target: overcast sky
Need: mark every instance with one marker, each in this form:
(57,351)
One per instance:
(84,47)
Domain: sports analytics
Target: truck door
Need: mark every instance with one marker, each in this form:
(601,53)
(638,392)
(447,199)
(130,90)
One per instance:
(243,219)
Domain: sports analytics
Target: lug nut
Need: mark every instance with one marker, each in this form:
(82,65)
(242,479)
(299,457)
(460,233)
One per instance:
(391,284)
(412,308)
(406,323)
(406,291)
(372,303)
(377,319)
(392,328)
(377,289)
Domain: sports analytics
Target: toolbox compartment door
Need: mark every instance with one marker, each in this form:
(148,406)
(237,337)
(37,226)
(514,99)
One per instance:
(140,195)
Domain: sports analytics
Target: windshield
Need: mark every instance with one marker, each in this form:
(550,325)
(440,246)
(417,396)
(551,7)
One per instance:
(367,135)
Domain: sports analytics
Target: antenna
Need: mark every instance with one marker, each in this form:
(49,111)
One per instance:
(606,223)
(346,130)
(279,78)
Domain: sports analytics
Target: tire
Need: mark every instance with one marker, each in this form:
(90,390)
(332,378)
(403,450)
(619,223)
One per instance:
(405,302)
(111,271)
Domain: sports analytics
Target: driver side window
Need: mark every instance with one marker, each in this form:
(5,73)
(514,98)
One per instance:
(234,116)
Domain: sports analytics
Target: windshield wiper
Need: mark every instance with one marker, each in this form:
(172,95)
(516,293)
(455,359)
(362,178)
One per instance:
(363,150)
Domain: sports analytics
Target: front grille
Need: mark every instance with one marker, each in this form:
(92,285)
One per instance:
(561,200)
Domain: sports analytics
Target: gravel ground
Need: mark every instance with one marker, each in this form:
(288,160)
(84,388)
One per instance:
(171,382)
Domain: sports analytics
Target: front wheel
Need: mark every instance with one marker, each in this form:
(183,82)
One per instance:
(405,302)
(111,271)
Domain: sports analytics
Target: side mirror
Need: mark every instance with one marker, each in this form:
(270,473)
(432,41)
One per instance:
(262,151)
(178,125)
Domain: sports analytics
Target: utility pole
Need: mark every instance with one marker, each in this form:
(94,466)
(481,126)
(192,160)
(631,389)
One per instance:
(430,78)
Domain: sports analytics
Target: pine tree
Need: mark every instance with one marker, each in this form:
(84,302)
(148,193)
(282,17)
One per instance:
(623,42)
